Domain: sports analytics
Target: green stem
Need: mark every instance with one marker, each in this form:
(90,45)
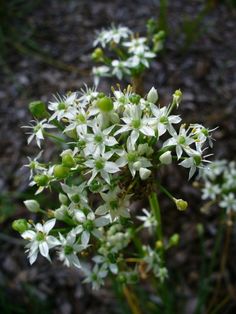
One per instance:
(155,207)
(59,139)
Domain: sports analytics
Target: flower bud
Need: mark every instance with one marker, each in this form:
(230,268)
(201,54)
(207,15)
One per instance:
(60,171)
(97,54)
(166,158)
(41,179)
(20,225)
(200,229)
(59,213)
(134,99)
(105,104)
(180,204)
(144,173)
(177,97)
(174,240)
(32,205)
(68,160)
(159,244)
(63,198)
(152,95)
(38,109)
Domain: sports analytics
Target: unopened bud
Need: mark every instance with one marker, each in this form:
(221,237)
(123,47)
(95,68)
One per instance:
(32,205)
(177,97)
(60,171)
(41,179)
(174,240)
(144,173)
(105,104)
(20,225)
(63,198)
(166,158)
(38,109)
(159,244)
(181,204)
(152,95)
(97,55)
(68,160)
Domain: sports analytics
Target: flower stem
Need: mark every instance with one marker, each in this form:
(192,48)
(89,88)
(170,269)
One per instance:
(131,300)
(155,207)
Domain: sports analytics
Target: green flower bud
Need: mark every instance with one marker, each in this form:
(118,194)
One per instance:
(200,229)
(134,99)
(60,171)
(68,160)
(174,240)
(105,104)
(152,95)
(177,97)
(32,205)
(180,204)
(97,55)
(20,225)
(38,109)
(166,158)
(41,179)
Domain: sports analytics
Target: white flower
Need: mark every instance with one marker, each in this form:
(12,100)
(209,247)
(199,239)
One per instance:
(76,193)
(136,45)
(181,141)
(135,123)
(62,106)
(228,202)
(40,240)
(87,95)
(133,159)
(101,165)
(37,131)
(141,59)
(112,34)
(34,165)
(149,221)
(163,120)
(69,249)
(101,71)
(96,276)
(210,190)
(119,68)
(107,261)
(115,204)
(96,143)
(89,225)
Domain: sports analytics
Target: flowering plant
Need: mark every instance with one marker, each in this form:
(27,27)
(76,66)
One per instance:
(112,150)
(123,53)
(220,185)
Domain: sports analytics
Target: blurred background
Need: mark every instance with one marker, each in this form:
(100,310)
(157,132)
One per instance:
(45,48)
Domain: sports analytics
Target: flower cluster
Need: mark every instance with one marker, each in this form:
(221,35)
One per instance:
(220,184)
(123,53)
(110,146)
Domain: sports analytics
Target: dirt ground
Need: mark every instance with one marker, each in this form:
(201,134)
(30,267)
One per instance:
(64,30)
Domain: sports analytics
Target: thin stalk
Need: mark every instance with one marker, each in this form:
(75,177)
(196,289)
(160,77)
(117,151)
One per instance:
(132,300)
(155,207)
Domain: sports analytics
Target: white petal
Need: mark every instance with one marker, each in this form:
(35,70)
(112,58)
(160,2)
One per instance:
(101,221)
(49,225)
(43,249)
(85,238)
